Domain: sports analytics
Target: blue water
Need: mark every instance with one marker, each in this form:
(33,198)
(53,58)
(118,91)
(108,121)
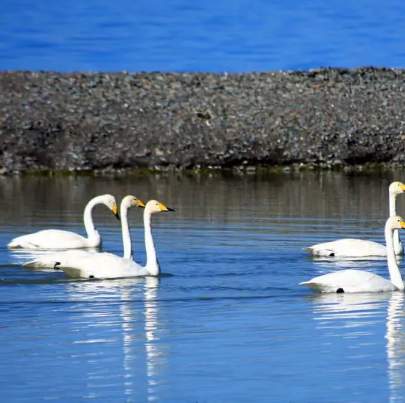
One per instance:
(227,322)
(215,36)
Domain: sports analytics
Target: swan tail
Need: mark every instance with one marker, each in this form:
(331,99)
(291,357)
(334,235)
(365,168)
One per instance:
(42,263)
(321,252)
(322,287)
(54,265)
(15,244)
(307,283)
(316,252)
(39,264)
(311,284)
(12,245)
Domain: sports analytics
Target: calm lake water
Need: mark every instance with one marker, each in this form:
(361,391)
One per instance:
(218,36)
(227,322)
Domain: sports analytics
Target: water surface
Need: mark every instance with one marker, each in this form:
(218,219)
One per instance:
(227,321)
(217,36)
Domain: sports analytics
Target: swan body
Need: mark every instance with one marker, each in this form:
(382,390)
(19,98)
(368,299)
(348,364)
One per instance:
(107,265)
(103,267)
(63,259)
(350,281)
(353,281)
(350,247)
(59,239)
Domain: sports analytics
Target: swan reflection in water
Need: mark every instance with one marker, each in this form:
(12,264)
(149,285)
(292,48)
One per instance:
(138,320)
(396,347)
(153,356)
(354,315)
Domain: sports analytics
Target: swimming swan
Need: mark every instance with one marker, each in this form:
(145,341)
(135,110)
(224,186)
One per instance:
(60,239)
(351,281)
(351,247)
(107,265)
(63,258)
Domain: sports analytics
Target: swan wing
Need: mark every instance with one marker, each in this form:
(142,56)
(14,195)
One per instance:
(350,281)
(50,239)
(348,248)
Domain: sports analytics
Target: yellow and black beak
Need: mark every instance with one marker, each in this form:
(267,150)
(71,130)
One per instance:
(402,224)
(402,186)
(165,208)
(115,211)
(140,203)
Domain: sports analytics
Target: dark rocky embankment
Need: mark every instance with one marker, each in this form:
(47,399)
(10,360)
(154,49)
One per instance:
(96,121)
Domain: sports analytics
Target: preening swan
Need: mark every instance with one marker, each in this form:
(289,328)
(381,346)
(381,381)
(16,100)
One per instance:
(107,265)
(360,248)
(60,239)
(351,281)
(64,258)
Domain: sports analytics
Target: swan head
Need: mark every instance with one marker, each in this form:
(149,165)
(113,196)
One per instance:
(109,201)
(396,188)
(131,201)
(395,222)
(153,206)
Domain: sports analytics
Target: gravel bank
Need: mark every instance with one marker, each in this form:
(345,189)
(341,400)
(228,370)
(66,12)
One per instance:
(99,121)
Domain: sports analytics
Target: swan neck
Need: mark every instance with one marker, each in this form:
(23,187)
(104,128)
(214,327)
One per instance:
(88,218)
(126,233)
(395,275)
(392,202)
(152,265)
(398,248)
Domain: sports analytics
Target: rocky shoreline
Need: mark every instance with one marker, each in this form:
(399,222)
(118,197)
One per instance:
(327,118)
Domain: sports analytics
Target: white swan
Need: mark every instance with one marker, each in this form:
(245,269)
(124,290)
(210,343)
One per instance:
(351,247)
(351,281)
(63,258)
(60,239)
(107,265)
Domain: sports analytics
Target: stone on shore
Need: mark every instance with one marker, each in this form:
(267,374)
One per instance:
(113,121)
